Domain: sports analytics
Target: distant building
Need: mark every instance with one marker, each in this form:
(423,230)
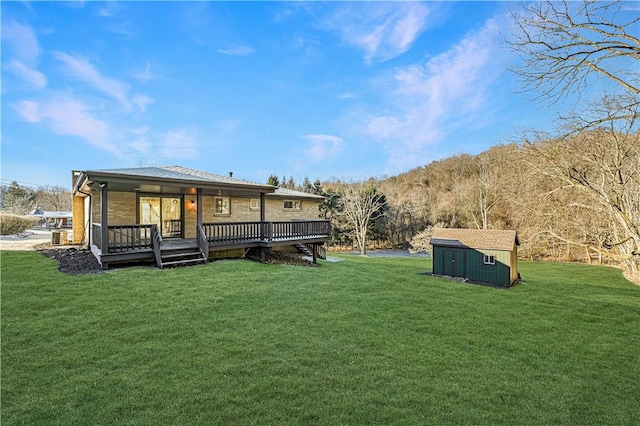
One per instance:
(485,256)
(52,219)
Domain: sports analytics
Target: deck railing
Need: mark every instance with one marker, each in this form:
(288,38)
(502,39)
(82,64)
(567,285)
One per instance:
(298,230)
(233,232)
(96,235)
(242,232)
(123,238)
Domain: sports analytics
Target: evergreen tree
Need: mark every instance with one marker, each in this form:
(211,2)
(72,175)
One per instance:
(273,180)
(317,187)
(306,185)
(19,199)
(291,184)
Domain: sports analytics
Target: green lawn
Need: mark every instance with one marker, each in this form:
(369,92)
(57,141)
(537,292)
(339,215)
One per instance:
(365,340)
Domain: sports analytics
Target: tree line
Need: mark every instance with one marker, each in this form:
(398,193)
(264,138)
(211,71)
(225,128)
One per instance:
(21,199)
(573,193)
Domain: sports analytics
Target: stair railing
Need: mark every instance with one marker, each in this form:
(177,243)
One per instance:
(156,243)
(203,242)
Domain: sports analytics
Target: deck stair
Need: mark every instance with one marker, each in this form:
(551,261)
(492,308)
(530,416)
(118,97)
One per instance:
(305,249)
(181,257)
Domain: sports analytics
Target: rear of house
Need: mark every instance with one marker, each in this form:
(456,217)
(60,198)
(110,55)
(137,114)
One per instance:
(485,256)
(147,213)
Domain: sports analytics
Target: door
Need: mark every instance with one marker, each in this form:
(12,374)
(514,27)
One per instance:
(453,262)
(165,212)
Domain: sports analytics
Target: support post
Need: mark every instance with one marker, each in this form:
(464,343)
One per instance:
(198,208)
(262,215)
(104,217)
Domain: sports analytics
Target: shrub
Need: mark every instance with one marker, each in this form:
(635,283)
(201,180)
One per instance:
(420,242)
(13,224)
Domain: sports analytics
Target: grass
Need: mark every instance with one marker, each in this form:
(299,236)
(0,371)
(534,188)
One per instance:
(359,341)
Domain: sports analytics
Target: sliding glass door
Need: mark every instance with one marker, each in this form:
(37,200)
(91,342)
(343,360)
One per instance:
(166,212)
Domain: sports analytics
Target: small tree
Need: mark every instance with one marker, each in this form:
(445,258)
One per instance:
(361,204)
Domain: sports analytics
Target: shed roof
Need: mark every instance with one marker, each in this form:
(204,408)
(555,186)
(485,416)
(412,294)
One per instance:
(475,238)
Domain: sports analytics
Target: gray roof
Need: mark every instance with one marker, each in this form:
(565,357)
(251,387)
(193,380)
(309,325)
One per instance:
(175,173)
(286,192)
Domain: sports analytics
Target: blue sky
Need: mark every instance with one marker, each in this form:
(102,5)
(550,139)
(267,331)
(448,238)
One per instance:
(319,89)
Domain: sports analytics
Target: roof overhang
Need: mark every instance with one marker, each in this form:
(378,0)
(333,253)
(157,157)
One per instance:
(173,183)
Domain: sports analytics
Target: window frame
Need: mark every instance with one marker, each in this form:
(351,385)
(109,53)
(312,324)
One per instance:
(296,205)
(223,212)
(253,201)
(489,259)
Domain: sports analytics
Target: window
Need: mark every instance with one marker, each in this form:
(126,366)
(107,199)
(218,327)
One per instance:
(292,205)
(221,205)
(489,259)
(254,204)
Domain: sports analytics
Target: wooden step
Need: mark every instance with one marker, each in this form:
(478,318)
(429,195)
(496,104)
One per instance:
(304,249)
(182,258)
(182,254)
(183,262)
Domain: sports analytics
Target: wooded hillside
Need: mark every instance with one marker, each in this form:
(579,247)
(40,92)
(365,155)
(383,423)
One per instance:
(574,198)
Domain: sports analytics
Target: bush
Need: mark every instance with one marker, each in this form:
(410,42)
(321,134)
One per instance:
(13,224)
(420,242)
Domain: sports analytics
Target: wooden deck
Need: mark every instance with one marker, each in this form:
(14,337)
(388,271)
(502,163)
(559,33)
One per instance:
(143,243)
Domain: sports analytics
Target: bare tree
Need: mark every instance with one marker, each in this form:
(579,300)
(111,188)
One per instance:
(603,165)
(563,44)
(361,204)
(54,198)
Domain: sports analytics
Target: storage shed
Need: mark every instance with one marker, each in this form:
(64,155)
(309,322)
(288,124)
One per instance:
(486,256)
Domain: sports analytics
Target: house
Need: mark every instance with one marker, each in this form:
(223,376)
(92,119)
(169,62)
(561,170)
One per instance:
(485,256)
(177,215)
(52,219)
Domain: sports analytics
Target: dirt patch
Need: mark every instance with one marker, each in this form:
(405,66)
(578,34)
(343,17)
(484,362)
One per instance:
(280,257)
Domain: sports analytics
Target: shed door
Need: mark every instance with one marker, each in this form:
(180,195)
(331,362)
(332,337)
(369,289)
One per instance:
(454,262)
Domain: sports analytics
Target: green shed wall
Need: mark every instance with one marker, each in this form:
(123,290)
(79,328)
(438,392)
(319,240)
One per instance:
(474,267)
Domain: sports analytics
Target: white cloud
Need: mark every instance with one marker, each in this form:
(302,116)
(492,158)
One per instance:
(382,30)
(321,147)
(82,69)
(33,77)
(69,117)
(430,100)
(145,75)
(237,51)
(22,42)
(179,144)
(141,101)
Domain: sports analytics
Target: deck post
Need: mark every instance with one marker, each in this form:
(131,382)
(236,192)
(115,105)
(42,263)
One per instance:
(104,213)
(198,208)
(262,214)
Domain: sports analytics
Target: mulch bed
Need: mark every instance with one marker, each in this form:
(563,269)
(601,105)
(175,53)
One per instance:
(74,261)
(77,261)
